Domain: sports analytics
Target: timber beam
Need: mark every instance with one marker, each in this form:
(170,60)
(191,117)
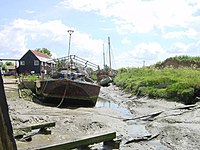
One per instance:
(107,137)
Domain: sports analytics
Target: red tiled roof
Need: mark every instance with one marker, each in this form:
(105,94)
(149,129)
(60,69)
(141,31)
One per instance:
(40,54)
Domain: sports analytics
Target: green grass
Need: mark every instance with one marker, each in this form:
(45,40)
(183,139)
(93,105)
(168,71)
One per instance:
(181,85)
(30,77)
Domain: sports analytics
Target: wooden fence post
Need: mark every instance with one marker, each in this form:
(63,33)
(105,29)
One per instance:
(7,141)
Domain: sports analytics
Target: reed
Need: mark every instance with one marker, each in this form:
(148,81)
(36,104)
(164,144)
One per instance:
(176,84)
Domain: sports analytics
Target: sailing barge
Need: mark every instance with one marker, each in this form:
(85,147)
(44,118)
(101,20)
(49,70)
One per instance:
(69,84)
(67,92)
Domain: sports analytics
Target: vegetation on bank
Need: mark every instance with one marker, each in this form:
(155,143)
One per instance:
(30,77)
(177,84)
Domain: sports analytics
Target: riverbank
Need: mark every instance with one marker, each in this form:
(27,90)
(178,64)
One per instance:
(177,125)
(151,124)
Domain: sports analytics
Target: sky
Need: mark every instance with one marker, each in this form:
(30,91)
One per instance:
(142,32)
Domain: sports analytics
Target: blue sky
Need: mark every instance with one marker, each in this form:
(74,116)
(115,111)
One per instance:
(140,30)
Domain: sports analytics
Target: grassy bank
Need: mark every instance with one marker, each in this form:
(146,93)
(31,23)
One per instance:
(181,84)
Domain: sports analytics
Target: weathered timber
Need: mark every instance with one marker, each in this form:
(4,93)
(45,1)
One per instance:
(82,142)
(36,126)
(28,137)
(186,107)
(10,83)
(18,134)
(152,116)
(24,133)
(145,138)
(7,141)
(114,144)
(149,116)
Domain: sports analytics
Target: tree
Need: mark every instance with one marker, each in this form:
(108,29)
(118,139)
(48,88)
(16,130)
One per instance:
(4,65)
(44,50)
(8,63)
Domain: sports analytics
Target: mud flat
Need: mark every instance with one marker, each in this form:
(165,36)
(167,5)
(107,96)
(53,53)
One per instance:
(177,124)
(140,123)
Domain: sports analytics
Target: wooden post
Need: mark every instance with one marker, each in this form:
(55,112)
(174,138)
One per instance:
(7,141)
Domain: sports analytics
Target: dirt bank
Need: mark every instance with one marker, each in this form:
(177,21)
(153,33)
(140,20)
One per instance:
(175,128)
(177,124)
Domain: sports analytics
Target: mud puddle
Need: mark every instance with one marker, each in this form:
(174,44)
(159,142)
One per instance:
(135,128)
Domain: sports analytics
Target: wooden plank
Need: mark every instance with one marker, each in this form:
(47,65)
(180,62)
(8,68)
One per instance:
(145,116)
(144,138)
(7,141)
(37,126)
(82,142)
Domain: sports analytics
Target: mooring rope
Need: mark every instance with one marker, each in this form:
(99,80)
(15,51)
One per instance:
(44,87)
(63,97)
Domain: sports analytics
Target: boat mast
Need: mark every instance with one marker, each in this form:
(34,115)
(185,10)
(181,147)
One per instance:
(109,52)
(70,34)
(104,63)
(69,64)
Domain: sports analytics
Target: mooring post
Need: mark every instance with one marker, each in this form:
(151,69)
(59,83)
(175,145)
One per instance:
(7,141)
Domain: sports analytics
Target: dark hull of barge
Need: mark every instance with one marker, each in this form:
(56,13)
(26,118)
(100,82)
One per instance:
(65,92)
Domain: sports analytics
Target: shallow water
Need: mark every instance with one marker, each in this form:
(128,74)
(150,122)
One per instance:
(109,104)
(136,128)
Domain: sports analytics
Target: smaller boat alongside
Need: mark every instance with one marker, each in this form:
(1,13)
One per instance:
(104,78)
(105,81)
(106,75)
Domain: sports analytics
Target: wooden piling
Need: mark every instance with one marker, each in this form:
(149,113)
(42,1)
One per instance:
(7,141)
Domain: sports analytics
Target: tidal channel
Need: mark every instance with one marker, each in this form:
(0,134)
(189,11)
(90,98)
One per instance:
(136,128)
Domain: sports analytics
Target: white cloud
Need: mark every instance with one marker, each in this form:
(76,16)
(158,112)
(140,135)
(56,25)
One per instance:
(165,19)
(179,48)
(18,37)
(86,47)
(148,52)
(12,42)
(143,49)
(15,37)
(126,41)
(140,16)
(190,33)
(30,11)
(86,43)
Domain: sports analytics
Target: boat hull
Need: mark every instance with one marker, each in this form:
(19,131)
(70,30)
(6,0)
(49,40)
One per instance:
(68,92)
(105,81)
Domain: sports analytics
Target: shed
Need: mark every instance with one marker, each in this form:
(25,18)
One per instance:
(33,62)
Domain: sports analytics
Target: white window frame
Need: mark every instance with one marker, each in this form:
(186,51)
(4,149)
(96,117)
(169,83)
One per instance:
(36,62)
(22,63)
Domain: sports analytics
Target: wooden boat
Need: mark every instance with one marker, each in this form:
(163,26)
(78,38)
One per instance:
(105,81)
(67,87)
(105,76)
(70,86)
(67,92)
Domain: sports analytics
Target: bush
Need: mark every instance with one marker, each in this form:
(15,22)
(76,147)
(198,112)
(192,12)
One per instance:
(181,84)
(187,96)
(157,93)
